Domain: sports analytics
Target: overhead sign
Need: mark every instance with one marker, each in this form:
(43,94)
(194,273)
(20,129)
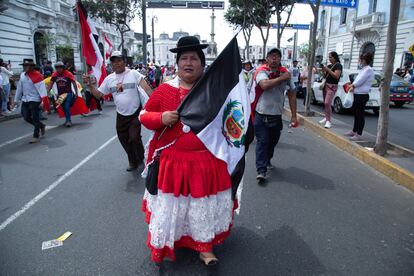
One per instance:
(351,4)
(291,26)
(178,4)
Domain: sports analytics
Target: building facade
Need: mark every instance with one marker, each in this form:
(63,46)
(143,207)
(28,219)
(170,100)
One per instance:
(256,53)
(48,30)
(351,32)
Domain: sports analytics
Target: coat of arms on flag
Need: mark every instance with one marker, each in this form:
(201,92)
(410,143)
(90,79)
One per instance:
(234,124)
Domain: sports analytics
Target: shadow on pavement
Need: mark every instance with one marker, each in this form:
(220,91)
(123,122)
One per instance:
(280,252)
(286,146)
(304,179)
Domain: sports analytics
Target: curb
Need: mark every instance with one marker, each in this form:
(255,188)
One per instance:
(395,172)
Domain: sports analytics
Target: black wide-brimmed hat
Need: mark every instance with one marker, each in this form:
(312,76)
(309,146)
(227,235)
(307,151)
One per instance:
(28,61)
(188,43)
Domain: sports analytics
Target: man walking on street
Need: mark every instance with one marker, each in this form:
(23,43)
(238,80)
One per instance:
(271,82)
(31,90)
(124,85)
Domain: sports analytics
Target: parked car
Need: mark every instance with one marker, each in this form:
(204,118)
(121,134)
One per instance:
(401,91)
(374,95)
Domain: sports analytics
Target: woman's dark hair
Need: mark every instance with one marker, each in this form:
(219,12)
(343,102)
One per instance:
(368,57)
(200,54)
(335,56)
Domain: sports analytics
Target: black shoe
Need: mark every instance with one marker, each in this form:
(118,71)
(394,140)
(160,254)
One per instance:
(132,168)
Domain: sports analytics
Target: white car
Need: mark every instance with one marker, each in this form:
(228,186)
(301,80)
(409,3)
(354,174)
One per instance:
(338,99)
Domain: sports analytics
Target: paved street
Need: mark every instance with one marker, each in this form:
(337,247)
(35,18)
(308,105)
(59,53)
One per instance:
(401,130)
(322,212)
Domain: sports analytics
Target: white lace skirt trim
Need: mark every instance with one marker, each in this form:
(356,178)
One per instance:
(200,218)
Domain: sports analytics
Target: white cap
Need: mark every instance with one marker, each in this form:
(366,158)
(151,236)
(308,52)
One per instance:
(116,54)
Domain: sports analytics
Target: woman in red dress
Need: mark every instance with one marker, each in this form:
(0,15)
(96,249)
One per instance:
(188,200)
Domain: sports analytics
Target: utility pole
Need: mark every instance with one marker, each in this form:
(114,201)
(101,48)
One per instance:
(295,45)
(144,32)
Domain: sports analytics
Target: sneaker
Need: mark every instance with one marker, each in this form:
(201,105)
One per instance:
(261,176)
(34,140)
(350,134)
(270,167)
(84,115)
(68,124)
(356,138)
(328,124)
(100,112)
(43,130)
(322,121)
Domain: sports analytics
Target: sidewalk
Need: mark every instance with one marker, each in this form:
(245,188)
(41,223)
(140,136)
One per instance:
(398,164)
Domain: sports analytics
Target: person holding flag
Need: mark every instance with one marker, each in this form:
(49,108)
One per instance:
(125,85)
(31,90)
(196,158)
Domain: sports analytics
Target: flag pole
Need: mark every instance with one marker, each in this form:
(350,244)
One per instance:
(82,58)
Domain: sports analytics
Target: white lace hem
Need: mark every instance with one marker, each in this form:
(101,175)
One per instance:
(200,218)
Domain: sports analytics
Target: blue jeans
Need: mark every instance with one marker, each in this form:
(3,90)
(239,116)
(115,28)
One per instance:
(66,106)
(6,89)
(31,114)
(267,130)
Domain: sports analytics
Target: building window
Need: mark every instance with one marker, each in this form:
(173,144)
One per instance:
(368,47)
(372,6)
(344,13)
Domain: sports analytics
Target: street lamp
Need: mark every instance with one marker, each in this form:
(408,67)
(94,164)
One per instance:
(154,18)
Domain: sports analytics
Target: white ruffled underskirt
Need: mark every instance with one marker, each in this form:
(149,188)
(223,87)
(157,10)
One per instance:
(200,218)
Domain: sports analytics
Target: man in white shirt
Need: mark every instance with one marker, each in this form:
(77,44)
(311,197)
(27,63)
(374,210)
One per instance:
(124,85)
(295,73)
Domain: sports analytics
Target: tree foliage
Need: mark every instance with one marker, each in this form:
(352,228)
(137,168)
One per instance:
(237,16)
(115,12)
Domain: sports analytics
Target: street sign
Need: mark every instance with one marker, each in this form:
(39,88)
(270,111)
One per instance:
(291,26)
(351,4)
(177,4)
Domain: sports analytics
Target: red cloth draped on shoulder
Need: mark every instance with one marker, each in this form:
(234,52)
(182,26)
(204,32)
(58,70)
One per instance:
(79,106)
(258,90)
(65,74)
(36,77)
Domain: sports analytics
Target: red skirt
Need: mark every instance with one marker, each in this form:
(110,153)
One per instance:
(193,207)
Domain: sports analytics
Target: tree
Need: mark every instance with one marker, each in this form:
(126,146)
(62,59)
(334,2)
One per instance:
(115,12)
(311,59)
(383,120)
(260,12)
(281,7)
(304,50)
(237,16)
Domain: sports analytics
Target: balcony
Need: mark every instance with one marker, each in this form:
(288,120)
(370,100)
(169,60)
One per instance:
(370,22)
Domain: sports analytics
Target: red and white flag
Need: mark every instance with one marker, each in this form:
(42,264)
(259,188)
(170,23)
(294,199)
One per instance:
(90,49)
(108,47)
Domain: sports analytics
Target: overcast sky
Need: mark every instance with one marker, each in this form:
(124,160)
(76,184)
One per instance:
(199,22)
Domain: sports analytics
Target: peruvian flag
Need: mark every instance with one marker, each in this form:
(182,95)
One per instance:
(217,110)
(90,49)
(108,47)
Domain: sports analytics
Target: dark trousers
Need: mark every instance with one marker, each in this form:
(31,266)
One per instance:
(267,130)
(128,129)
(89,97)
(31,114)
(360,100)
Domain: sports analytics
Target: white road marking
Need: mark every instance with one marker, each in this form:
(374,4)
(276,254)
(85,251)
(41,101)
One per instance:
(22,137)
(32,202)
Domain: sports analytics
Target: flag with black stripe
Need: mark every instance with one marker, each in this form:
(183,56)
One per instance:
(217,109)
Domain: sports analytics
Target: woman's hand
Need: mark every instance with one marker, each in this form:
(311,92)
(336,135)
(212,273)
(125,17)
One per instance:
(169,118)
(85,79)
